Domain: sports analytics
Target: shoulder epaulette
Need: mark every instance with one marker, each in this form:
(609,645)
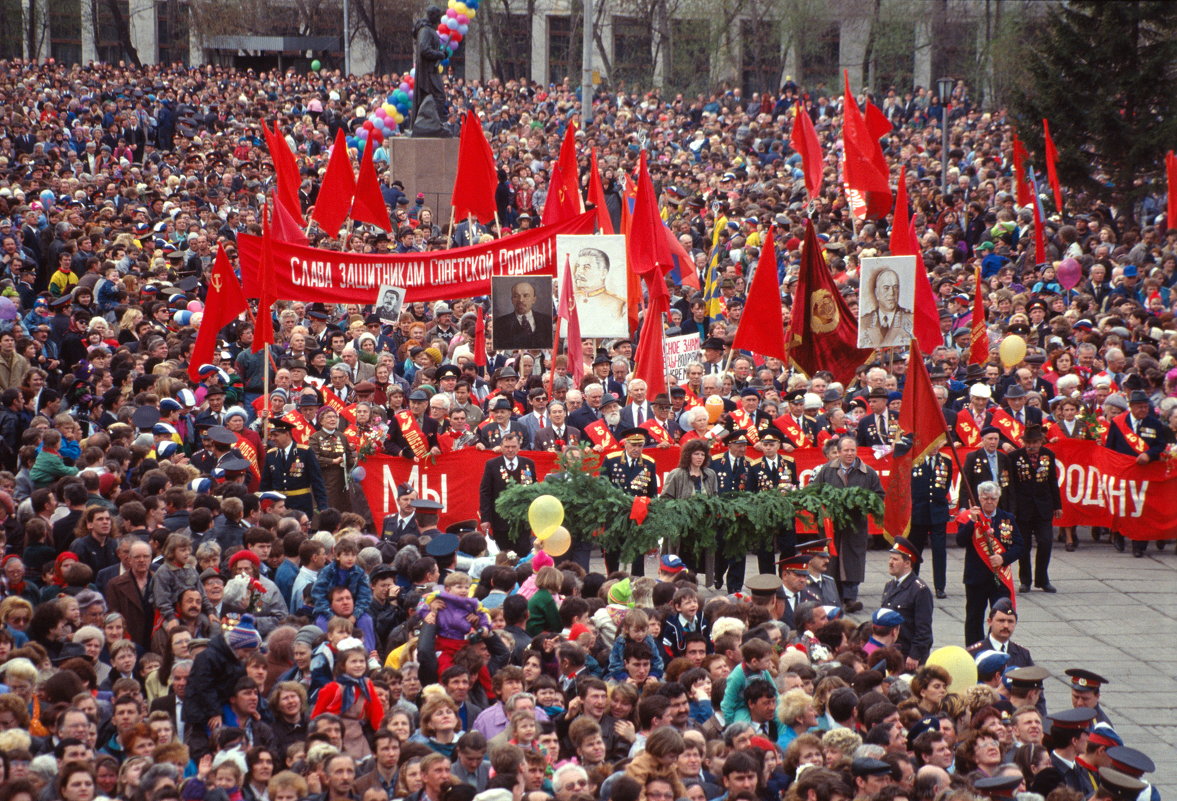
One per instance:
(647,457)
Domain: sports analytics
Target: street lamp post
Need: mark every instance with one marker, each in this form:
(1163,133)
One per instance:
(944,89)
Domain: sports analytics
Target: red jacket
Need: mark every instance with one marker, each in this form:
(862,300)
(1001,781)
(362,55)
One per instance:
(330,699)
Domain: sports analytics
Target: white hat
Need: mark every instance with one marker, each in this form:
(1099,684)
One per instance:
(980,391)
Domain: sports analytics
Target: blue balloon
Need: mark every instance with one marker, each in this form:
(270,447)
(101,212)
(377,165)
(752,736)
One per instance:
(451,23)
(462,29)
(445,62)
(358,473)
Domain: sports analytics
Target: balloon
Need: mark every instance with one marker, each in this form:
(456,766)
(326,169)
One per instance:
(959,664)
(462,28)
(358,473)
(195,306)
(544,514)
(558,543)
(456,36)
(361,111)
(1012,350)
(316,65)
(463,19)
(714,405)
(182,317)
(8,310)
(197,318)
(1069,273)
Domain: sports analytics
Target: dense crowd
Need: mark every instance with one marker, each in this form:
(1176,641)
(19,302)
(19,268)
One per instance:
(198,601)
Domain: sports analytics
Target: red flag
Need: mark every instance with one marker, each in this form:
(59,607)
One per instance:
(287,228)
(338,189)
(263,333)
(822,333)
(866,170)
(979,336)
(571,316)
(476,179)
(368,206)
(1052,168)
(876,121)
(903,243)
(285,170)
(1024,195)
(633,284)
(564,189)
(763,329)
(651,364)
(804,140)
(921,419)
(596,196)
(223,304)
(1171,183)
(645,244)
(479,339)
(685,273)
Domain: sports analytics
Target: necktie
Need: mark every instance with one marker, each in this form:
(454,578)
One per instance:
(883,426)
(542,421)
(1020,418)
(525,324)
(511,467)
(640,416)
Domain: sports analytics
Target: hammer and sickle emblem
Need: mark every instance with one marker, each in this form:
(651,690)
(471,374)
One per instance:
(216,281)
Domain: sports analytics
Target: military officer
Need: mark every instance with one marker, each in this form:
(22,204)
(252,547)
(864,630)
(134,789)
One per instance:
(930,480)
(1085,687)
(1115,785)
(992,543)
(911,597)
(636,474)
(879,425)
(775,472)
(1037,502)
(731,468)
(793,580)
(817,579)
(1067,741)
(988,463)
(293,470)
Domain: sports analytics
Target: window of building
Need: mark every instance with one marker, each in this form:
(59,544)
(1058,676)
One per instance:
(760,56)
(171,30)
(633,63)
(565,49)
(65,30)
(690,56)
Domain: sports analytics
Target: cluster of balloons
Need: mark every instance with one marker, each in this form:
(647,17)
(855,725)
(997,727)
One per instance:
(384,119)
(193,315)
(455,24)
(545,514)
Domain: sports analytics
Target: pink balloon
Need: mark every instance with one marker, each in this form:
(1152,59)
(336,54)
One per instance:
(195,306)
(1069,273)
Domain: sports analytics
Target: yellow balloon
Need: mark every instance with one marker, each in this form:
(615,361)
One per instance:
(470,13)
(1012,350)
(959,664)
(544,514)
(558,543)
(714,406)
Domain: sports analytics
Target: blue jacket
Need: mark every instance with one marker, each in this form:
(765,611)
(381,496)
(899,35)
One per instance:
(617,665)
(357,582)
(1006,529)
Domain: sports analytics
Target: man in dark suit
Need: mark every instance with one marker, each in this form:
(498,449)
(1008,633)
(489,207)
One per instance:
(294,471)
(663,416)
(1037,502)
(492,433)
(794,581)
(1023,417)
(993,528)
(635,474)
(908,595)
(130,595)
(496,475)
(1067,741)
(637,409)
(591,410)
(525,327)
(879,426)
(173,702)
(1140,434)
(988,464)
(557,433)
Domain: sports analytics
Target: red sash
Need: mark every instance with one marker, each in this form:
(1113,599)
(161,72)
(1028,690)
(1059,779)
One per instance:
(344,410)
(966,429)
(661,435)
(600,434)
(249,453)
(744,421)
(302,429)
(788,426)
(1007,425)
(1138,444)
(985,543)
(411,431)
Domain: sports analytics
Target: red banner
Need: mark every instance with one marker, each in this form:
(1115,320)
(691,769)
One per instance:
(1099,487)
(329,276)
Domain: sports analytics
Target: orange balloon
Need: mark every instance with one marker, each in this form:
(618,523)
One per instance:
(714,406)
(558,542)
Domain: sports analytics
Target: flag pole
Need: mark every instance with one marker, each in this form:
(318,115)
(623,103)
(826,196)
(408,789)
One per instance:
(449,234)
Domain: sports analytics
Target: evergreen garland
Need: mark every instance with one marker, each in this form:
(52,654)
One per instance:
(596,511)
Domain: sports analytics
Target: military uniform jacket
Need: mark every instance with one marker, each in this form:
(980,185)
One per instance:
(782,474)
(296,474)
(911,598)
(930,481)
(1074,776)
(639,478)
(1035,483)
(824,590)
(976,470)
(869,434)
(732,473)
(1005,528)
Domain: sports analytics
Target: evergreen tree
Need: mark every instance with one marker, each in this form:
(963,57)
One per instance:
(1103,74)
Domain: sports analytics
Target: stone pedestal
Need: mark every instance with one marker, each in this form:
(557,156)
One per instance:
(427,166)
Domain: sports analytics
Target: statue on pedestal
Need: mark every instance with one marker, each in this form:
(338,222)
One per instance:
(430,109)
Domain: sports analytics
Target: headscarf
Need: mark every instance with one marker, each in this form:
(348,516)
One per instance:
(58,578)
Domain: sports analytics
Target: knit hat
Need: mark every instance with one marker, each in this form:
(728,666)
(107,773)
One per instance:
(621,593)
(246,555)
(244,634)
(542,559)
(308,636)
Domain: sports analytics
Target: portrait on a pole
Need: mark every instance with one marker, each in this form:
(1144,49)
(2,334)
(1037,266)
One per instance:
(598,280)
(522,307)
(886,302)
(388,303)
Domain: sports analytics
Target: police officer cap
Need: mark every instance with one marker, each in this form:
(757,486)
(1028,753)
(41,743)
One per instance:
(887,617)
(998,786)
(1027,677)
(404,489)
(496,405)
(426,505)
(1120,785)
(145,417)
(448,371)
(1078,718)
(868,766)
(771,434)
(442,545)
(763,584)
(1085,681)
(903,547)
(1003,605)
(795,564)
(278,424)
(1130,761)
(462,527)
(926,724)
(222,435)
(233,464)
(737,437)
(796,396)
